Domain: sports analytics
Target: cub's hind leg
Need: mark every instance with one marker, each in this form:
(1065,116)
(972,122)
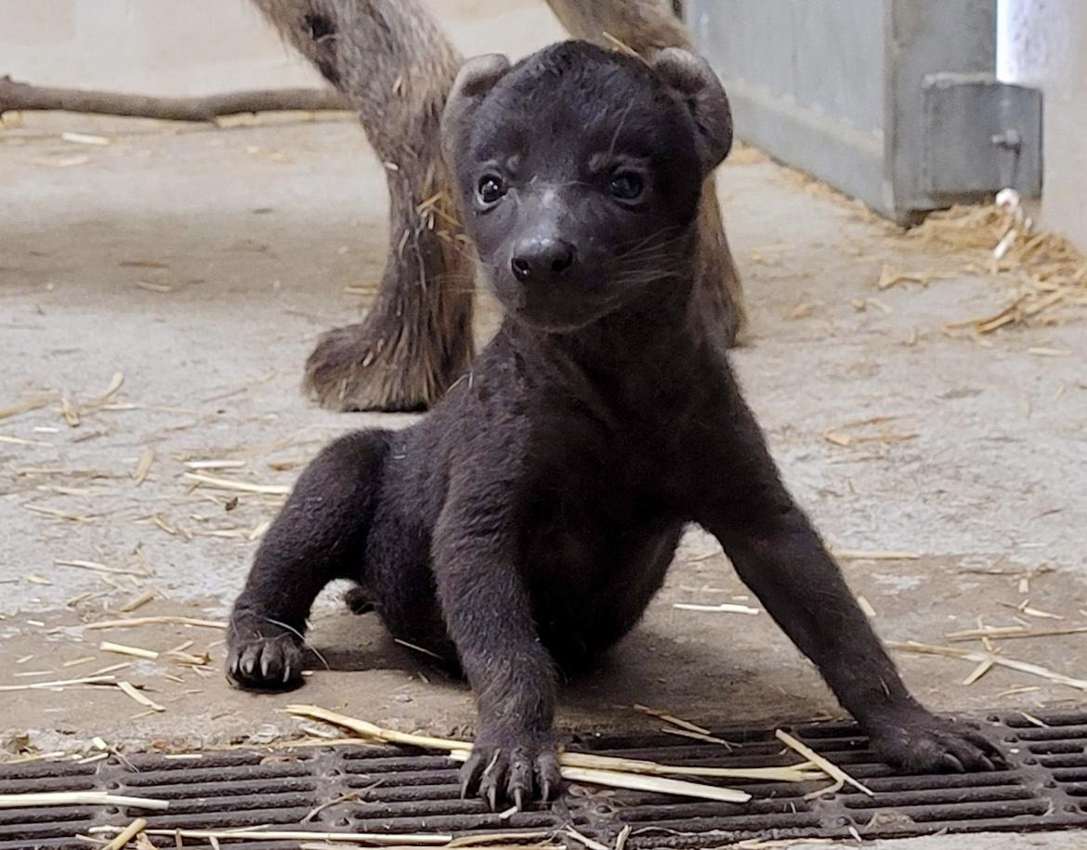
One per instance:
(320,535)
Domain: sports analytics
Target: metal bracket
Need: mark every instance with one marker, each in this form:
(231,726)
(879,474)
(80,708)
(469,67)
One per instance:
(981,135)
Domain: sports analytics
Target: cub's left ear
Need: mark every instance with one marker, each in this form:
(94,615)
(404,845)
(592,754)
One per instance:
(698,87)
(474,80)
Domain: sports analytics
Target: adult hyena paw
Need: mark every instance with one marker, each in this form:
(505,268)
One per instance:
(920,742)
(262,655)
(517,771)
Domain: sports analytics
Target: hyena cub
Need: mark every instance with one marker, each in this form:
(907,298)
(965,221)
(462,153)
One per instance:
(527,521)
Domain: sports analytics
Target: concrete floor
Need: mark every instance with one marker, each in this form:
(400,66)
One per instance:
(202,265)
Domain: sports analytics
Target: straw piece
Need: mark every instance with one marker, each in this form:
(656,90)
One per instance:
(133,829)
(143,466)
(240,486)
(121,649)
(696,736)
(79,798)
(214,464)
(584,840)
(979,671)
(819,761)
(723,608)
(1011,633)
(137,601)
(668,718)
(637,782)
(43,686)
(999,660)
(875,555)
(32,403)
(499,838)
(163,620)
(414,839)
(459,751)
(130,690)
(115,384)
(94,566)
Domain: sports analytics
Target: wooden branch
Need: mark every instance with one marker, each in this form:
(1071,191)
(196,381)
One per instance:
(24,97)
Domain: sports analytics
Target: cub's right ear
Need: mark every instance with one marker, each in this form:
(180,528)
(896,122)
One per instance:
(475,79)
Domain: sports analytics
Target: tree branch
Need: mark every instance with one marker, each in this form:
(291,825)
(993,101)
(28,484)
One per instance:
(24,97)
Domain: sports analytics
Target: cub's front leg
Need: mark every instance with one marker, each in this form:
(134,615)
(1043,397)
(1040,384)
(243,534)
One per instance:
(488,612)
(781,558)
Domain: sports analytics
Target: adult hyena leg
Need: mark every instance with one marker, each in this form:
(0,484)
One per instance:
(647,26)
(396,67)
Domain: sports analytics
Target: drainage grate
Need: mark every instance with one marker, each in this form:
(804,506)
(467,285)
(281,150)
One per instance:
(1044,788)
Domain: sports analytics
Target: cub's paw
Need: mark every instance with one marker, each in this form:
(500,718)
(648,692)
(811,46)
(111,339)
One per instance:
(516,771)
(263,656)
(920,742)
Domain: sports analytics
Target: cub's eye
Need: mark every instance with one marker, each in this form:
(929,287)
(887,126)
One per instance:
(626,186)
(491,188)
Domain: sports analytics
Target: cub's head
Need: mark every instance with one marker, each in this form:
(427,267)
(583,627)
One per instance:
(580,172)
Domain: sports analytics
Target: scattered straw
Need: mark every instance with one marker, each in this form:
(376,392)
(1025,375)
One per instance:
(1024,607)
(164,620)
(26,406)
(61,683)
(143,466)
(59,514)
(979,671)
(819,761)
(723,608)
(1046,270)
(134,651)
(875,555)
(639,782)
(240,486)
(137,601)
(79,798)
(94,566)
(998,660)
(584,840)
(1011,633)
(583,767)
(669,718)
(131,831)
(214,464)
(130,691)
(414,839)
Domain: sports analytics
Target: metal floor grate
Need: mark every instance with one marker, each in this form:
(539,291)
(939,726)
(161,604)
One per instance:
(1044,788)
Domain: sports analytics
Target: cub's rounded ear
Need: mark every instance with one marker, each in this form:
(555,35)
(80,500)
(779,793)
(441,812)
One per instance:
(697,86)
(475,79)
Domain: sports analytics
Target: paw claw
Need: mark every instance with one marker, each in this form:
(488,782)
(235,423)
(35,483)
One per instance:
(516,772)
(261,655)
(921,742)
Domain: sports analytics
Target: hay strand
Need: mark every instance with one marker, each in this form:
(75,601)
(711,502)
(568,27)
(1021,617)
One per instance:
(998,660)
(819,761)
(79,798)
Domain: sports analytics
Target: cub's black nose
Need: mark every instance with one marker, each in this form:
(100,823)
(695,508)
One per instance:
(541,259)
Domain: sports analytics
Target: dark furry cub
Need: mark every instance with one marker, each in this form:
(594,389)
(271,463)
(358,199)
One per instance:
(526,523)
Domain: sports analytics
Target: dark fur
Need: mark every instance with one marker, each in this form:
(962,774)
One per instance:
(396,66)
(526,523)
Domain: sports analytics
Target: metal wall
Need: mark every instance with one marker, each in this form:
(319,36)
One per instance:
(892,101)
